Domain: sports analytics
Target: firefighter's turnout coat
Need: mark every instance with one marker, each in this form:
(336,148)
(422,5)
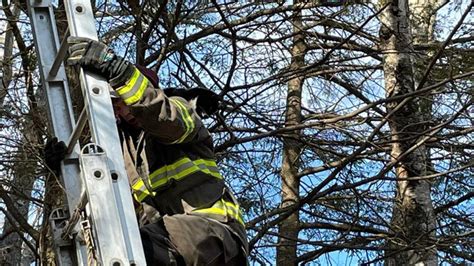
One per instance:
(179,174)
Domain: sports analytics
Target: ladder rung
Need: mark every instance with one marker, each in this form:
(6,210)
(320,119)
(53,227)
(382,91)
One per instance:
(59,57)
(77,130)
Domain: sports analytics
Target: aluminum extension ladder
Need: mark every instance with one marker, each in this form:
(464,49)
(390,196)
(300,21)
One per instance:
(98,226)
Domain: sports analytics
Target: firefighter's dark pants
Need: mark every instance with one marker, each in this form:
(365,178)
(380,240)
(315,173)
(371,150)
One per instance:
(190,240)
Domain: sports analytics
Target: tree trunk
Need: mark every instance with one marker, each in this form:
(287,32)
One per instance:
(289,228)
(5,60)
(422,21)
(22,172)
(412,218)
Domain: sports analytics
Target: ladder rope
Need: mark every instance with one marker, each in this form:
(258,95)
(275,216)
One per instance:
(89,241)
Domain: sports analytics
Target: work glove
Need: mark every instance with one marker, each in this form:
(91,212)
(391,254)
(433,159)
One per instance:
(98,58)
(54,152)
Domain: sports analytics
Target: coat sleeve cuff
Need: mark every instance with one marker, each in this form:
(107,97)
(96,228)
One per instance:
(133,89)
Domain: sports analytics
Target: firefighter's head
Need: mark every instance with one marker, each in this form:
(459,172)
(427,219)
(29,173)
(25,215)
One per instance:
(122,112)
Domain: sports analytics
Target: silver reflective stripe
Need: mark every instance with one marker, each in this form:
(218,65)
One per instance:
(134,88)
(188,120)
(182,168)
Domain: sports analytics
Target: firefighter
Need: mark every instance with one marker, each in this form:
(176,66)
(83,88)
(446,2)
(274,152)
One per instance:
(192,217)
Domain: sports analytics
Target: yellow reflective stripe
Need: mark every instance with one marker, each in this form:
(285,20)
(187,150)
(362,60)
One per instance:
(230,204)
(162,175)
(235,211)
(211,164)
(207,170)
(170,167)
(127,87)
(139,196)
(224,208)
(137,96)
(180,175)
(212,211)
(188,120)
(139,199)
(138,185)
(140,190)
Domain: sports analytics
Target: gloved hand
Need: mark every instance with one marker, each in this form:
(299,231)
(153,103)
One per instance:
(97,57)
(54,152)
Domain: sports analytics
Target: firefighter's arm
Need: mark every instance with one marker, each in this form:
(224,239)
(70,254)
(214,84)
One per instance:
(171,119)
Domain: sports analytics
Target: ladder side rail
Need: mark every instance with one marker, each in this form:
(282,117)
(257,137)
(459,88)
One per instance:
(59,109)
(94,163)
(104,133)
